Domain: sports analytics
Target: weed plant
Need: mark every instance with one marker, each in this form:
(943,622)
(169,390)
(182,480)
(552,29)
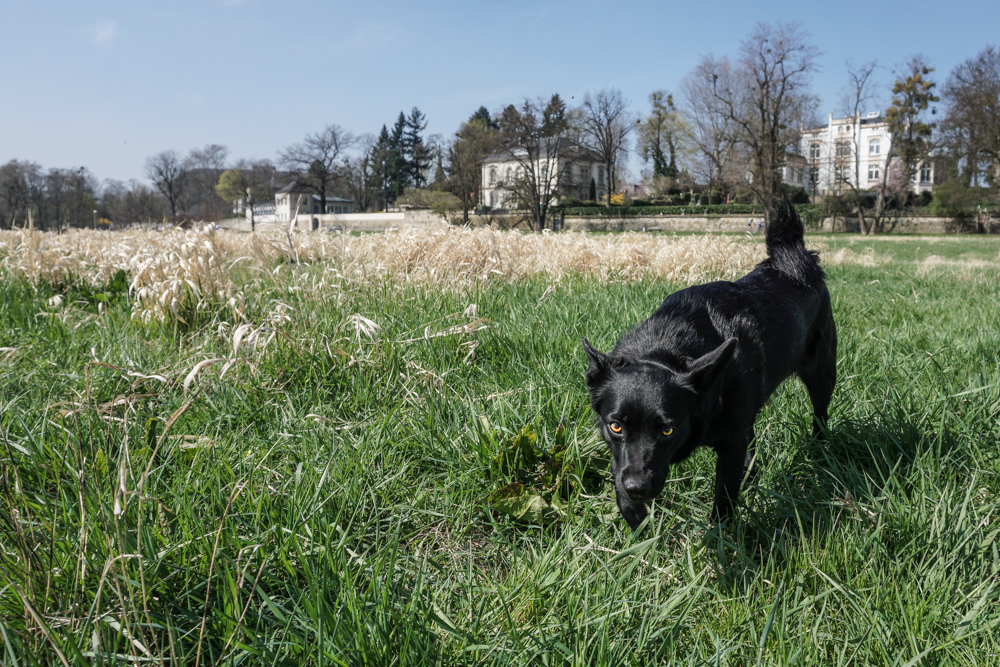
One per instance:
(320,493)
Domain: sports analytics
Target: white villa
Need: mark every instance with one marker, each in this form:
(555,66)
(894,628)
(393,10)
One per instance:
(832,161)
(309,204)
(569,174)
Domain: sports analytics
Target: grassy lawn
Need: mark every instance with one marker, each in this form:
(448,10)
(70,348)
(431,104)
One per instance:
(325,492)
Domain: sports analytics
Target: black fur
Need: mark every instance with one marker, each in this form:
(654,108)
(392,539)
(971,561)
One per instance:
(705,363)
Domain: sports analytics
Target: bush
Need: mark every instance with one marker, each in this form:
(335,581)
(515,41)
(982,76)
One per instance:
(953,198)
(811,214)
(796,195)
(641,202)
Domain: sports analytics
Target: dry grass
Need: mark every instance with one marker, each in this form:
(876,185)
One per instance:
(176,269)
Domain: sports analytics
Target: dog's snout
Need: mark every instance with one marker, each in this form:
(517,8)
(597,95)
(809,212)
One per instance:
(637,487)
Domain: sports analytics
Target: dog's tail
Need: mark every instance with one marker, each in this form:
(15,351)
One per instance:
(786,246)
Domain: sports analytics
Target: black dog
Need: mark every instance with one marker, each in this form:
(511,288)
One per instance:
(699,370)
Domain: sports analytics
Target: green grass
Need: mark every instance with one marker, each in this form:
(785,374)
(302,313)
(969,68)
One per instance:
(332,503)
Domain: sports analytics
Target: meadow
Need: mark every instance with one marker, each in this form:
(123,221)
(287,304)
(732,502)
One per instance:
(371,450)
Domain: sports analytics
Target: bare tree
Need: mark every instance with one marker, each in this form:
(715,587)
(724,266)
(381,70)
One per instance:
(317,162)
(14,191)
(207,165)
(169,173)
(971,124)
(858,94)
(605,123)
(768,100)
(475,140)
(359,174)
(713,130)
(534,137)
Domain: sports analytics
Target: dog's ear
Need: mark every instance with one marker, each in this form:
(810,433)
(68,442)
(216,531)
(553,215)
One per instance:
(599,365)
(706,369)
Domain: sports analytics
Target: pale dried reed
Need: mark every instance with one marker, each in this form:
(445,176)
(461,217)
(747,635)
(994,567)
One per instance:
(177,269)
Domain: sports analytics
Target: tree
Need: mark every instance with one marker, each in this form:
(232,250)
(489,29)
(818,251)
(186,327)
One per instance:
(534,137)
(169,174)
(249,180)
(768,100)
(360,173)
(856,96)
(416,155)
(316,162)
(661,134)
(127,203)
(207,165)
(384,169)
(604,123)
(712,128)
(14,191)
(971,125)
(475,140)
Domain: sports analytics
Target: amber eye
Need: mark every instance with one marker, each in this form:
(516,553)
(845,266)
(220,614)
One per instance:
(668,431)
(615,427)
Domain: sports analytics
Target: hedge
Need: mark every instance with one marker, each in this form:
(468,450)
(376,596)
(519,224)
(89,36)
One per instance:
(807,211)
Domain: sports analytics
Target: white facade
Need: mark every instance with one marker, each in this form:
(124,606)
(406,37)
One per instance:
(573,171)
(308,204)
(853,150)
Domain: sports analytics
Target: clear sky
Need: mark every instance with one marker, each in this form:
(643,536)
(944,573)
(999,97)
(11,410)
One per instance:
(106,83)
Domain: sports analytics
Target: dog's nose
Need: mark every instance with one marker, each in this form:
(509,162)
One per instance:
(637,487)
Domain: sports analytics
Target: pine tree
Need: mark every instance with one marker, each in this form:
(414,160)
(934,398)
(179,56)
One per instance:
(397,159)
(483,116)
(384,157)
(416,156)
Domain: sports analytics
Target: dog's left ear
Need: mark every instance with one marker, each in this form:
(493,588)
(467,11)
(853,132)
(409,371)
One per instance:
(706,369)
(599,365)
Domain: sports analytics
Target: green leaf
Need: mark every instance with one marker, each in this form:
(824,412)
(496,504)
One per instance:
(520,506)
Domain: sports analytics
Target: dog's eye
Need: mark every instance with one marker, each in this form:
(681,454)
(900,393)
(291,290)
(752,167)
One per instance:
(668,431)
(615,427)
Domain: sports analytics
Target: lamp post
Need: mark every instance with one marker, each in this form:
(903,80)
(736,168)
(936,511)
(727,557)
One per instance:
(95,219)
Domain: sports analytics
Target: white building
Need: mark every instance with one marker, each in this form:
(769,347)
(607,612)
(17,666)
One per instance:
(853,150)
(308,204)
(569,174)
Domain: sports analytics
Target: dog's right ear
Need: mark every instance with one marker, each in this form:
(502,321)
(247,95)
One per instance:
(599,365)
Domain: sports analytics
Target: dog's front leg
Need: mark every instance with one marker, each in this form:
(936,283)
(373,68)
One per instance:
(632,512)
(729,470)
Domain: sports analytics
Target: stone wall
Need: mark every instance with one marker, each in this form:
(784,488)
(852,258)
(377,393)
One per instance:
(353,222)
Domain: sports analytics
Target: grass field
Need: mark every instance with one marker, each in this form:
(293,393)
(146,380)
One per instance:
(312,457)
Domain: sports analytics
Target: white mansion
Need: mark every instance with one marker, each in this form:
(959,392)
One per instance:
(848,150)
(567,174)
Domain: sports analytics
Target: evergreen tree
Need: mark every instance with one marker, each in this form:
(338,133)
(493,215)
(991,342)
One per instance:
(483,116)
(416,156)
(384,158)
(397,159)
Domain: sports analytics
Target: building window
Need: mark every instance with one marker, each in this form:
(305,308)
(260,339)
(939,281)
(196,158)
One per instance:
(584,175)
(873,173)
(814,175)
(926,174)
(493,177)
(843,149)
(814,151)
(600,176)
(510,176)
(874,146)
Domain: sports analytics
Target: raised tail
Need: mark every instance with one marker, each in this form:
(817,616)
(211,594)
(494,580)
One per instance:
(786,246)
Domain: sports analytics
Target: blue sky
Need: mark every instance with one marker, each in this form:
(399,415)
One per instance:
(104,84)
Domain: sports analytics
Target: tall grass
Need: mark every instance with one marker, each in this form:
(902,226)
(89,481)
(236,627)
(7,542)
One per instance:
(320,493)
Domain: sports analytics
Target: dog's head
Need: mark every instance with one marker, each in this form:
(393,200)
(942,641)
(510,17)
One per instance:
(649,411)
